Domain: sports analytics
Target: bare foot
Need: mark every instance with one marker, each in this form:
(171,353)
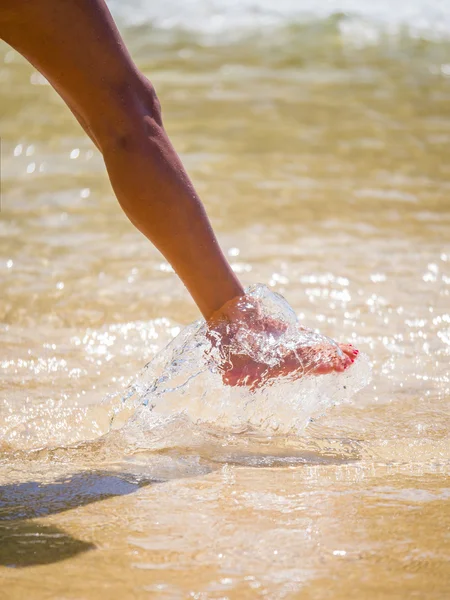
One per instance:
(243,321)
(242,370)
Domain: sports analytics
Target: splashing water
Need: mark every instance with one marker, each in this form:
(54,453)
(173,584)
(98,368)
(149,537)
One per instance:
(183,384)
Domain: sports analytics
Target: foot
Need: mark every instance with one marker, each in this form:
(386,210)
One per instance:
(243,321)
(242,370)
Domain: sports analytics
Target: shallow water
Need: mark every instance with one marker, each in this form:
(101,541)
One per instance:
(320,145)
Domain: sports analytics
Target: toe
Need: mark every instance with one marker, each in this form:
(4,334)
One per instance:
(349,351)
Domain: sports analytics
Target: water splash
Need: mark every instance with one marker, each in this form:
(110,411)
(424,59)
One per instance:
(182,387)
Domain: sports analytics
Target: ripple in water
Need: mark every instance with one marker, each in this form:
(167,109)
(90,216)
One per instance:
(183,384)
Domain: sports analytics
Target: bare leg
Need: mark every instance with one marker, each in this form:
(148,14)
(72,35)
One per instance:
(77,47)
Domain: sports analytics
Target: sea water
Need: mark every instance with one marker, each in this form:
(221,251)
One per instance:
(184,381)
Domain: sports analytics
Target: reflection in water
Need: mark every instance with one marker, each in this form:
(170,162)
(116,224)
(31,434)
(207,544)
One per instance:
(32,499)
(320,147)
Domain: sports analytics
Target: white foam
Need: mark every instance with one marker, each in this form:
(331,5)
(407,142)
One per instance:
(222,16)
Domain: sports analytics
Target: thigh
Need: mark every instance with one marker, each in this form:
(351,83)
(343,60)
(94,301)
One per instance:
(75,44)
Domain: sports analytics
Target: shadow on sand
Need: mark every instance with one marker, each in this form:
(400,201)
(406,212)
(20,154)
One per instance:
(25,542)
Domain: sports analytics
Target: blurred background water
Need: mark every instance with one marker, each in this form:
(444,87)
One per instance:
(318,137)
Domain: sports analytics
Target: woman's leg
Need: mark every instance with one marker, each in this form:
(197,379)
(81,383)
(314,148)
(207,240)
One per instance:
(75,44)
(77,47)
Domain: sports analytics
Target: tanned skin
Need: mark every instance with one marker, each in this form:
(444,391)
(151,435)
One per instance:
(77,47)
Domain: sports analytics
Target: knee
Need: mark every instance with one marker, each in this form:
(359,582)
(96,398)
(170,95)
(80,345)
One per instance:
(136,113)
(147,101)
